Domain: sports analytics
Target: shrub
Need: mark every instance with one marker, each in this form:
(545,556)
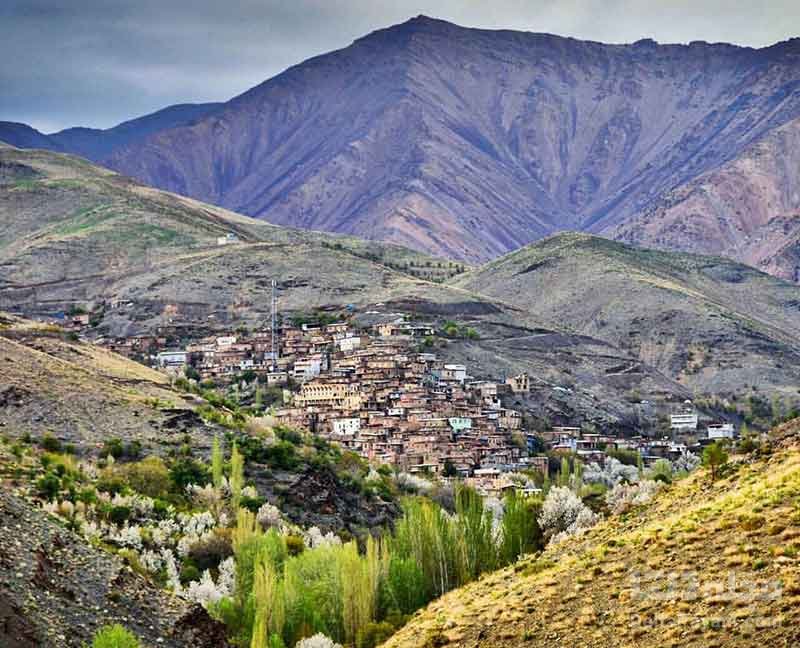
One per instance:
(295,545)
(189,573)
(149,476)
(50,443)
(115,636)
(119,514)
(251,503)
(210,551)
(374,634)
(110,483)
(113,447)
(187,471)
(48,486)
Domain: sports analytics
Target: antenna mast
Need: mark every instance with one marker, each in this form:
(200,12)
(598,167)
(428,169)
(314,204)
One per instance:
(273,327)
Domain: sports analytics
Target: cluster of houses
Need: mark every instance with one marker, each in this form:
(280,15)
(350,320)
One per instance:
(379,392)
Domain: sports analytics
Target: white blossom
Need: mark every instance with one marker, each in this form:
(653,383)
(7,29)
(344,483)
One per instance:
(624,496)
(611,473)
(319,640)
(269,516)
(227,576)
(127,536)
(204,591)
(563,512)
(152,561)
(314,538)
(173,576)
(197,523)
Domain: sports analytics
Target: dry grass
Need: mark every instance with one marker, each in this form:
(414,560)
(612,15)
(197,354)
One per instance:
(706,565)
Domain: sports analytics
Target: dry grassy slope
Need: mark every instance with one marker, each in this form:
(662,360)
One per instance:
(85,395)
(713,324)
(611,586)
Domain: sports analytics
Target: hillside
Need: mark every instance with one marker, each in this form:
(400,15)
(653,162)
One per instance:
(706,564)
(76,235)
(712,324)
(57,590)
(748,209)
(73,232)
(469,143)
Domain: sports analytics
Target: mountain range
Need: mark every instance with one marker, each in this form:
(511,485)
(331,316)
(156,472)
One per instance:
(467,144)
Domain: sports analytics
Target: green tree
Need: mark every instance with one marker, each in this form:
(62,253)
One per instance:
(237,475)
(714,457)
(216,463)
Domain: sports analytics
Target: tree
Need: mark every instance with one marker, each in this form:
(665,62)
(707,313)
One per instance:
(216,463)
(714,457)
(450,469)
(237,475)
(564,512)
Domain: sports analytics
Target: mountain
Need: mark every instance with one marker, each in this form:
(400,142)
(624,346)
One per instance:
(747,209)
(710,323)
(470,143)
(140,260)
(96,144)
(704,564)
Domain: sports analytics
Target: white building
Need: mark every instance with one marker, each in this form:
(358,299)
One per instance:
(171,359)
(349,343)
(307,368)
(721,431)
(346,426)
(224,341)
(454,372)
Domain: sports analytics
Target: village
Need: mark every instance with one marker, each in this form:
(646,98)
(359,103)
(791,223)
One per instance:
(376,387)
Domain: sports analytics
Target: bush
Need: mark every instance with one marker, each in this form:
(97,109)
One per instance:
(252,503)
(149,476)
(48,486)
(115,636)
(295,545)
(50,443)
(187,471)
(111,483)
(209,552)
(189,573)
(119,514)
(374,634)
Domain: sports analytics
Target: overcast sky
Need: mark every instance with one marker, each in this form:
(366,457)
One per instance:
(98,62)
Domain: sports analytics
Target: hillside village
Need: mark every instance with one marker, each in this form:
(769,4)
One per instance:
(373,384)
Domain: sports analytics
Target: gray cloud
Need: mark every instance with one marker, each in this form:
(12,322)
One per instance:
(98,62)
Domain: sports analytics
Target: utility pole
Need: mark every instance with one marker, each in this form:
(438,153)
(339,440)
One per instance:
(274,327)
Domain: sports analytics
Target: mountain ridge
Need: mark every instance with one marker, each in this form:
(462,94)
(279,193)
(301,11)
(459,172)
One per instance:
(469,143)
